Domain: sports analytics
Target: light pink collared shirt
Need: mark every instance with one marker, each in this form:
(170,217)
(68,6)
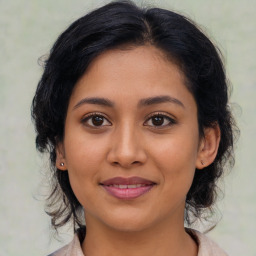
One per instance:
(206,247)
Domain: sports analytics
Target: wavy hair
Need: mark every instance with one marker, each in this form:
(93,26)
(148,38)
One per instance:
(112,26)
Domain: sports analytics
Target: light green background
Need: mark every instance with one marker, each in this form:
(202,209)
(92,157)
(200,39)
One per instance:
(28,29)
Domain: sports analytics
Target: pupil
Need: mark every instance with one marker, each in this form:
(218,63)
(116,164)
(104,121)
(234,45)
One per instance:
(97,120)
(158,120)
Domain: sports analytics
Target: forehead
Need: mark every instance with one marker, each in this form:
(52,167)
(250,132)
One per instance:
(142,71)
(129,53)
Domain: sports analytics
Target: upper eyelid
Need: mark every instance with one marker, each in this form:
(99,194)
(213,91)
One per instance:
(160,114)
(172,120)
(90,115)
(94,114)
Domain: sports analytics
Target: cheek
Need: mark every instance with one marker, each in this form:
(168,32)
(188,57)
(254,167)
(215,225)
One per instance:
(83,151)
(178,150)
(84,158)
(176,158)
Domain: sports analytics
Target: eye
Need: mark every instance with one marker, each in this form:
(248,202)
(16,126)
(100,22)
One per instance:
(95,120)
(159,120)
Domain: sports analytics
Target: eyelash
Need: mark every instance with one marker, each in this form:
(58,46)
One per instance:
(170,120)
(88,117)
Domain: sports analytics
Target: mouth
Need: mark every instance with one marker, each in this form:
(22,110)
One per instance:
(127,188)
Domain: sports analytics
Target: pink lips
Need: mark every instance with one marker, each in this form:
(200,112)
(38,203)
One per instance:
(127,188)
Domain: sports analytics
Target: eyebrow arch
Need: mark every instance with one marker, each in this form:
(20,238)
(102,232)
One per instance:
(159,99)
(96,101)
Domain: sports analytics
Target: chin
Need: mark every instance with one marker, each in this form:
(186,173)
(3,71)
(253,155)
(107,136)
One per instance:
(129,223)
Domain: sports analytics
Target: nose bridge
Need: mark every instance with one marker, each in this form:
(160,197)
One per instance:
(126,148)
(126,142)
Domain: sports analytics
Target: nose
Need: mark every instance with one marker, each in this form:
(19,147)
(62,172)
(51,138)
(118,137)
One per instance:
(127,148)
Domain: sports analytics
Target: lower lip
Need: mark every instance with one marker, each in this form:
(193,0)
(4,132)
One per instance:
(128,193)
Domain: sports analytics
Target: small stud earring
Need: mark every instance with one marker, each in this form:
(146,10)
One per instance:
(202,162)
(61,164)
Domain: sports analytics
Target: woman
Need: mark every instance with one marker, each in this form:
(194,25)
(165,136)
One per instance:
(132,107)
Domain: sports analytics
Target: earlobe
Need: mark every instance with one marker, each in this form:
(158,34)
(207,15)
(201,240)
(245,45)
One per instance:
(60,157)
(208,148)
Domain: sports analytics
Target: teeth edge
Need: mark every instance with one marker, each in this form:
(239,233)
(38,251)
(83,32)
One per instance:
(121,186)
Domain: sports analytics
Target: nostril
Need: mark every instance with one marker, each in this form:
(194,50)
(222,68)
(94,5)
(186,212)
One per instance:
(116,163)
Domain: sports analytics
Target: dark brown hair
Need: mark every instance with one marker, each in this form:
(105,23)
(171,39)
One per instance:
(111,26)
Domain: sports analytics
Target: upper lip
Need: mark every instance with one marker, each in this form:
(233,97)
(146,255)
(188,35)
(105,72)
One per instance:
(126,181)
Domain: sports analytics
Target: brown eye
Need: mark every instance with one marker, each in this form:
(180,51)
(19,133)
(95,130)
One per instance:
(95,120)
(157,120)
(160,120)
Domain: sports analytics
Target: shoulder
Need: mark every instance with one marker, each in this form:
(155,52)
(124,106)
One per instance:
(71,249)
(206,247)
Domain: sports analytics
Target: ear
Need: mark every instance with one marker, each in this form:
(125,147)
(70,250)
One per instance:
(60,157)
(208,147)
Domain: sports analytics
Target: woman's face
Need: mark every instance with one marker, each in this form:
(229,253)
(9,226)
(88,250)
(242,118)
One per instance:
(131,140)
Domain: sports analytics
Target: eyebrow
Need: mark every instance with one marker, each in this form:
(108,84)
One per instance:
(143,102)
(158,100)
(96,101)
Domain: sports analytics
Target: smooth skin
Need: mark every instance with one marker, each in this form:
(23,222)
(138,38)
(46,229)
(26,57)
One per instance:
(132,115)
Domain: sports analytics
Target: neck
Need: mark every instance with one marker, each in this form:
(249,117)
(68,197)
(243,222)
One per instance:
(165,239)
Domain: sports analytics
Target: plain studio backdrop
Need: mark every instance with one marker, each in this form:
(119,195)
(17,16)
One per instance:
(28,30)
